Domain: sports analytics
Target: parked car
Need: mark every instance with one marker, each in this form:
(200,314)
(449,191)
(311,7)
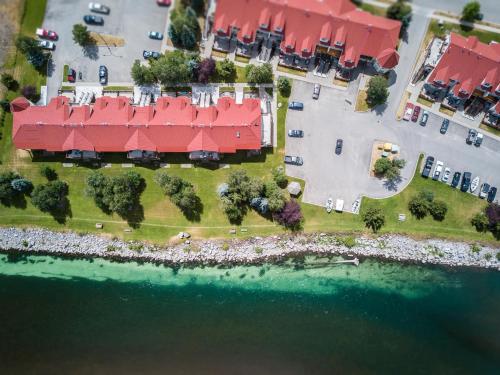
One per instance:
(428,166)
(478,140)
(155,35)
(491,194)
(295,133)
(425,117)
(316,91)
(444,126)
(103,74)
(47,34)
(297,160)
(338,146)
(47,44)
(71,75)
(456,179)
(485,189)
(298,106)
(150,54)
(446,175)
(416,113)
(164,3)
(98,8)
(466,181)
(471,137)
(93,20)
(408,111)
(437,170)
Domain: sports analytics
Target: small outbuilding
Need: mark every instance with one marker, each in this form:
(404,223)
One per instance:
(294,188)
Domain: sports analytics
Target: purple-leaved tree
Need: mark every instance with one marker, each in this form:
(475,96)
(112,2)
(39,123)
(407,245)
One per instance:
(206,69)
(290,216)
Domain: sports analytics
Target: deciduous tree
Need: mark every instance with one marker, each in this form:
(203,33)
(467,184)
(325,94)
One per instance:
(374,218)
(377,92)
(81,35)
(226,70)
(290,216)
(471,11)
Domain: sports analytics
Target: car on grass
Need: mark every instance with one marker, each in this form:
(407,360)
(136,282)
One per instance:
(298,106)
(444,126)
(295,133)
(466,178)
(425,117)
(408,111)
(471,136)
(416,113)
(46,34)
(491,194)
(295,160)
(98,8)
(428,166)
(90,19)
(151,54)
(155,35)
(485,189)
(437,170)
(316,90)
(71,75)
(338,146)
(479,139)
(164,3)
(446,175)
(47,44)
(103,75)
(456,179)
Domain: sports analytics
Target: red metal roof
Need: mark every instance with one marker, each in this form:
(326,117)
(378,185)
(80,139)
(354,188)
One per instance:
(113,125)
(470,63)
(305,22)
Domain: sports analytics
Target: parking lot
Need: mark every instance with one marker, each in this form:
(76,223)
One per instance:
(347,176)
(128,19)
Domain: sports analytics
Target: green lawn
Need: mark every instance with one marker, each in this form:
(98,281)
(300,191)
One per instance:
(482,35)
(373,9)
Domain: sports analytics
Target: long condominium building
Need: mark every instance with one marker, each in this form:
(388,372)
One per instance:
(114,125)
(305,32)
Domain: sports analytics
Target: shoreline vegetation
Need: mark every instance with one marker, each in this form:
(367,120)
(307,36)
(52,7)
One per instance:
(256,250)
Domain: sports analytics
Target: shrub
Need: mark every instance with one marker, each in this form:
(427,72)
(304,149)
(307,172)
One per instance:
(475,248)
(348,242)
(226,70)
(480,222)
(259,74)
(382,165)
(374,218)
(30,93)
(48,172)
(438,210)
(284,86)
(7,191)
(290,216)
(9,82)
(279,177)
(275,196)
(400,11)
(22,185)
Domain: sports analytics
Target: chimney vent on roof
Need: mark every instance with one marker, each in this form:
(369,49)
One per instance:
(237,134)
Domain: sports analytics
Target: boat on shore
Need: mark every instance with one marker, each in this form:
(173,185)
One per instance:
(474,184)
(329,205)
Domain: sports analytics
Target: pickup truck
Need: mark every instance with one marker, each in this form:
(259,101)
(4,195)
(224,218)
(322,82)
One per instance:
(46,34)
(296,160)
(437,170)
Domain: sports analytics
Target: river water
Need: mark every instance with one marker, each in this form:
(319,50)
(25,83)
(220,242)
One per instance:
(308,316)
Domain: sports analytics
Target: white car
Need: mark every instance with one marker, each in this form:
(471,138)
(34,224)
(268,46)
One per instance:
(446,175)
(98,8)
(438,170)
(47,44)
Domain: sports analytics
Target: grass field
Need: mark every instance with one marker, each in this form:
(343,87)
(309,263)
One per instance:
(361,104)
(373,9)
(162,220)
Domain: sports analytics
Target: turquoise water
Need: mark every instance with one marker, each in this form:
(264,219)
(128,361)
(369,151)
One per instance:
(309,316)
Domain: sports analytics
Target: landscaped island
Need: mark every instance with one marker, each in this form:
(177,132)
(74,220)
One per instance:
(251,251)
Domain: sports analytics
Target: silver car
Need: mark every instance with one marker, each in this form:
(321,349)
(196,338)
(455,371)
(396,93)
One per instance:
(316,90)
(446,175)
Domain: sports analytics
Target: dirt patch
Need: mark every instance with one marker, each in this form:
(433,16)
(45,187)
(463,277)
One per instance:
(106,40)
(361,104)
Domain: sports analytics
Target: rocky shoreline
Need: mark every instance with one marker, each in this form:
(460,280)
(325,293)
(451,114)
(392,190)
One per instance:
(250,251)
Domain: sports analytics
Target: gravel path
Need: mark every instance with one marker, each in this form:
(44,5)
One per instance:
(255,250)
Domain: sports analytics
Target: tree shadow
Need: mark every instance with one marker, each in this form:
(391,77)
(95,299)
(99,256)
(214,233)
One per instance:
(135,216)
(194,212)
(392,185)
(91,51)
(380,109)
(61,213)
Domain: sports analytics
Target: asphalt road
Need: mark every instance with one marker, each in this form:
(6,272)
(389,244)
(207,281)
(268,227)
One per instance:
(128,19)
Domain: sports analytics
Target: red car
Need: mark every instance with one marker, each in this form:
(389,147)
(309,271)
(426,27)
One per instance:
(71,75)
(47,34)
(408,111)
(165,3)
(416,112)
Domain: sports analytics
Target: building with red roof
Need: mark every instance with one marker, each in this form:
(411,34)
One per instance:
(306,32)
(114,125)
(466,70)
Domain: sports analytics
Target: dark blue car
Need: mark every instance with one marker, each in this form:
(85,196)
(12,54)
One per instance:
(298,106)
